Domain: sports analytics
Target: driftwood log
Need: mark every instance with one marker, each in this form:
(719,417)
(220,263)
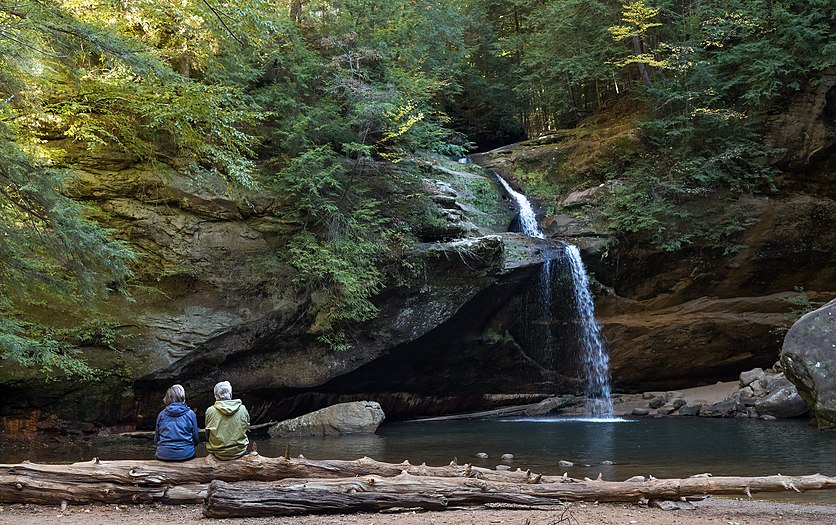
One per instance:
(128,481)
(373,493)
(256,485)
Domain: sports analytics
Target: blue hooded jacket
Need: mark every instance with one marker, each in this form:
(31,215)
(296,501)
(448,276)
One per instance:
(176,434)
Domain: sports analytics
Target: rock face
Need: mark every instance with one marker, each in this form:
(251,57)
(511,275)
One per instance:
(703,313)
(809,360)
(359,417)
(451,337)
(805,133)
(221,307)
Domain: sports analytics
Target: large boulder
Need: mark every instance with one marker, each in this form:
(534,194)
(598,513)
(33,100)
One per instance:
(358,417)
(809,360)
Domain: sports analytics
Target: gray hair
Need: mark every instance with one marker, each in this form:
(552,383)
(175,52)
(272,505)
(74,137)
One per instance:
(175,394)
(223,390)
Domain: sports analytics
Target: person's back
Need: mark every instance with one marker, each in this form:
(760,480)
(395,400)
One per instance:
(176,431)
(227,422)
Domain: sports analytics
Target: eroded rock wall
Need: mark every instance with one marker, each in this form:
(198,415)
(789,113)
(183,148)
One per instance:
(704,313)
(218,307)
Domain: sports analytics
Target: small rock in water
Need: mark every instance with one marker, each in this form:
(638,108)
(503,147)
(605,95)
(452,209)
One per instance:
(665,410)
(564,463)
(507,457)
(606,462)
(503,467)
(482,455)
(690,410)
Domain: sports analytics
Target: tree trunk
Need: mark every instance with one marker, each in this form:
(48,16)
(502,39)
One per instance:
(296,11)
(638,49)
(372,493)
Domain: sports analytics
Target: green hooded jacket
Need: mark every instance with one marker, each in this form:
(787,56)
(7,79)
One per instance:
(227,422)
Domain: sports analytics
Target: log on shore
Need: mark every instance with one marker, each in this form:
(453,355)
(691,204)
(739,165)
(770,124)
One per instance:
(372,493)
(129,481)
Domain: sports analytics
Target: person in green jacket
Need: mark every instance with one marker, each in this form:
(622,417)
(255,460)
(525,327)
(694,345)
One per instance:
(227,422)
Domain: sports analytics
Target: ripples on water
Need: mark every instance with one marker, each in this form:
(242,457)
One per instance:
(668,447)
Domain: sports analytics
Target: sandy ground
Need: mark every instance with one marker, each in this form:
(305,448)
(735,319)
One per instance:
(717,511)
(623,404)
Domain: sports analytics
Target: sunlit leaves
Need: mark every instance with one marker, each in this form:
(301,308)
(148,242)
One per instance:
(637,20)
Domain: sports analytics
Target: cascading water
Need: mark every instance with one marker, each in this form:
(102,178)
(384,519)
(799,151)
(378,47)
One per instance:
(542,287)
(594,356)
(528,219)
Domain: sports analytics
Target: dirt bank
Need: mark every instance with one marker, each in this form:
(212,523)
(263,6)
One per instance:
(717,511)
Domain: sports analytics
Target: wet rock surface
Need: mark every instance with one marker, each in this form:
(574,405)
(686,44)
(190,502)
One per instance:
(809,359)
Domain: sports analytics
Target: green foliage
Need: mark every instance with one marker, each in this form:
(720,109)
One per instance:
(801,304)
(339,254)
(562,80)
(37,350)
(206,87)
(90,81)
(707,73)
(51,257)
(355,86)
(648,206)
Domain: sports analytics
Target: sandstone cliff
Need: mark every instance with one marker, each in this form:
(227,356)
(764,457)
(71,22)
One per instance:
(451,337)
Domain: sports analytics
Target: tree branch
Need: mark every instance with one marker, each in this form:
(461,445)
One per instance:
(221,20)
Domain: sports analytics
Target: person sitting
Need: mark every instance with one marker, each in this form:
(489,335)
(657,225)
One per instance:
(227,422)
(176,432)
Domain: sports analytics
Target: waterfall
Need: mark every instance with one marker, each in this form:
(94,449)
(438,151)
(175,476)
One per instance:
(594,355)
(528,219)
(595,358)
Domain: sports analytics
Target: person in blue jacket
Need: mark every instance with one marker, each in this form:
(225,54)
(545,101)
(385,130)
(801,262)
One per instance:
(176,434)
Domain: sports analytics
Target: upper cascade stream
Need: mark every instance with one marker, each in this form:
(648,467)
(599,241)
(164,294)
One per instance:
(594,356)
(528,219)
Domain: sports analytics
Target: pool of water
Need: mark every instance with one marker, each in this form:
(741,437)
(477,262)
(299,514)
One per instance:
(667,447)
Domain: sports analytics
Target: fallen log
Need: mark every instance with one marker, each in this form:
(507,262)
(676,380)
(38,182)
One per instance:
(128,481)
(372,493)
